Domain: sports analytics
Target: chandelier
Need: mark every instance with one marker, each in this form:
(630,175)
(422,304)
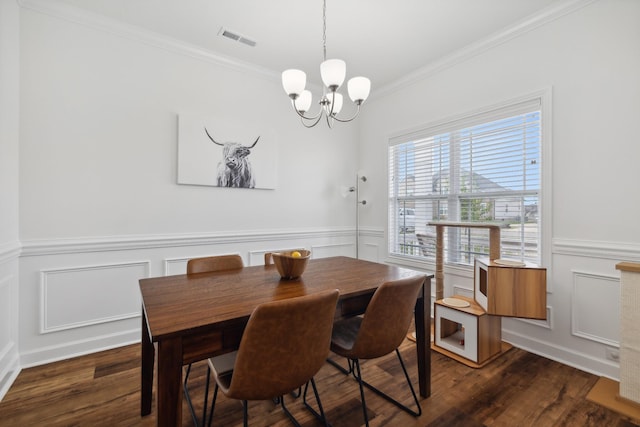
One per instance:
(333,73)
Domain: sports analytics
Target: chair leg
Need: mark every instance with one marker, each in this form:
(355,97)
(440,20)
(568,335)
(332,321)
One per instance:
(352,368)
(413,392)
(213,405)
(340,368)
(245,412)
(294,393)
(358,375)
(186,377)
(391,399)
(288,413)
(206,396)
(320,416)
(185,389)
(297,393)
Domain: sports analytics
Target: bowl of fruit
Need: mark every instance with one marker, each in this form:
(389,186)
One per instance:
(291,264)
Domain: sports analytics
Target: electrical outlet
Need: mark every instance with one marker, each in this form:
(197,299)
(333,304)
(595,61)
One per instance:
(612,354)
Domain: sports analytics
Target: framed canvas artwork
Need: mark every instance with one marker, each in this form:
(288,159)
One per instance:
(222,152)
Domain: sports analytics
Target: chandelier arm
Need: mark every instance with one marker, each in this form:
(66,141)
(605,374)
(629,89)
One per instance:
(309,117)
(333,103)
(302,115)
(349,119)
(330,121)
(312,124)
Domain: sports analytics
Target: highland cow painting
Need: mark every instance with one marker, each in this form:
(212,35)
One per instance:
(224,153)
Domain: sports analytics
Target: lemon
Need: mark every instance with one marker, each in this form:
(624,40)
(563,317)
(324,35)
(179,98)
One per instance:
(296,254)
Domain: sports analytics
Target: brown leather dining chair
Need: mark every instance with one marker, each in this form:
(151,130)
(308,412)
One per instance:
(214,263)
(204,265)
(284,344)
(377,333)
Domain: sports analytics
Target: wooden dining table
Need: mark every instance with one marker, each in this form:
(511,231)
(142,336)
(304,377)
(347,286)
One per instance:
(197,316)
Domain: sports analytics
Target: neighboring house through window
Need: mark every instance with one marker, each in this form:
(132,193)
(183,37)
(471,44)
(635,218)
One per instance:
(484,167)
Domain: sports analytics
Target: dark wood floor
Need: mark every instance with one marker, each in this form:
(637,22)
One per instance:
(518,389)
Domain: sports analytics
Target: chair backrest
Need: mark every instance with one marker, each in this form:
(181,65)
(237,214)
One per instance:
(284,344)
(268,258)
(214,263)
(387,318)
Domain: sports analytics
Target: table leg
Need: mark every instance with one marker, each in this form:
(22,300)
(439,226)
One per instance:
(422,315)
(146,375)
(170,382)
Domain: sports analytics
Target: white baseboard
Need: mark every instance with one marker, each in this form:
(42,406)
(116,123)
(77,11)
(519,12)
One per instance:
(68,350)
(9,369)
(564,355)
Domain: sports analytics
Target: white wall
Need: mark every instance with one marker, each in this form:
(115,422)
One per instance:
(9,244)
(99,141)
(590,60)
(99,203)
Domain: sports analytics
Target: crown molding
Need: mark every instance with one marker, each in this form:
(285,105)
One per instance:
(102,23)
(522,27)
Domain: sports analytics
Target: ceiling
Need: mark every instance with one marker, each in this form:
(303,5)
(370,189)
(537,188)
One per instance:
(382,40)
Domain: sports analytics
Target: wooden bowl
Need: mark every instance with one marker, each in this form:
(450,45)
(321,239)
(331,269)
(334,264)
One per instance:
(290,267)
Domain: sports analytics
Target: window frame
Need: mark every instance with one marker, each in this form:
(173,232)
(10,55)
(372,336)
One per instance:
(482,115)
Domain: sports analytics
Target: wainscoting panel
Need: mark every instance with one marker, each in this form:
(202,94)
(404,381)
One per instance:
(175,266)
(332,249)
(9,366)
(9,357)
(89,295)
(546,324)
(591,292)
(257,257)
(370,251)
(7,311)
(583,311)
(79,296)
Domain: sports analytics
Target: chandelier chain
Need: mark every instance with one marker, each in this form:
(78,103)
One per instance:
(324,29)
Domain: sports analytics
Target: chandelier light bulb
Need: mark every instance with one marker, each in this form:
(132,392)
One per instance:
(359,88)
(337,100)
(303,102)
(333,72)
(293,82)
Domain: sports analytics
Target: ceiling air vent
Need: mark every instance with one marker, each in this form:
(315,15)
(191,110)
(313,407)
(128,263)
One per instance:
(232,35)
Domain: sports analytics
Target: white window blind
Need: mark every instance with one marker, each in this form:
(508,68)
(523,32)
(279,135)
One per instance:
(481,168)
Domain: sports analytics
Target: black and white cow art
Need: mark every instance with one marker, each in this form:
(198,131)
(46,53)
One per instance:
(235,169)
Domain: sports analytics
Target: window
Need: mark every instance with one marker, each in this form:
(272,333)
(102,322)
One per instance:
(481,168)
